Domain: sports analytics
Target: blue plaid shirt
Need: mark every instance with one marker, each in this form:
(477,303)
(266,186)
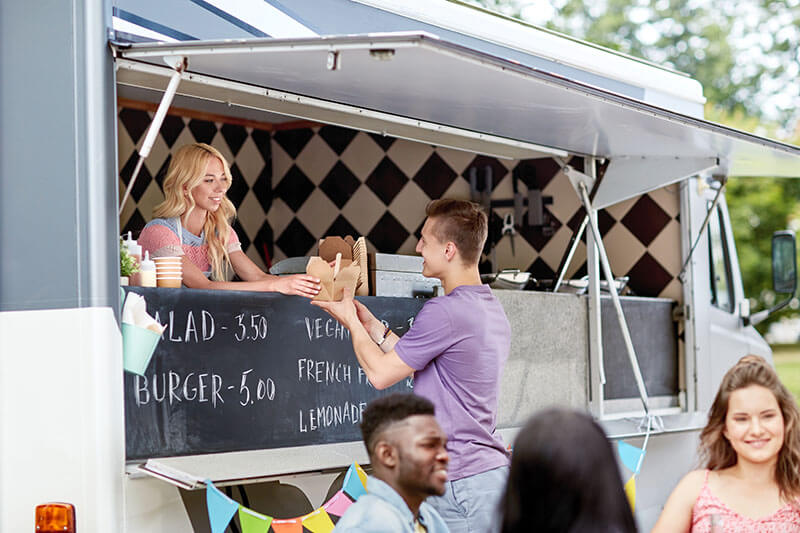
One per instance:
(382,510)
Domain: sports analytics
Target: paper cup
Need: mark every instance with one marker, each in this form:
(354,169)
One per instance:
(138,345)
(168,269)
(167,259)
(174,283)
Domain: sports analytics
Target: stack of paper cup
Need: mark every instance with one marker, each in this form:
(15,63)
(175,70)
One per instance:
(169,272)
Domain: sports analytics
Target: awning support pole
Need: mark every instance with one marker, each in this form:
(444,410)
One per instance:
(723,180)
(155,126)
(575,177)
(573,245)
(637,373)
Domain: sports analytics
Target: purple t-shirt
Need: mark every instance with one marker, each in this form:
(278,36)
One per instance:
(458,346)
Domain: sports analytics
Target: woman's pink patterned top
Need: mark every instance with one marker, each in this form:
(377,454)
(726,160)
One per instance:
(784,520)
(160,238)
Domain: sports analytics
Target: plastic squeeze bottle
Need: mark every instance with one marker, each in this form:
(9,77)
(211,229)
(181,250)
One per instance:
(147,271)
(135,251)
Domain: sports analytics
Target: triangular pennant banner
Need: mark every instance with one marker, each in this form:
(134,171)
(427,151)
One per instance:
(631,456)
(253,522)
(338,504)
(630,492)
(318,522)
(353,486)
(220,508)
(293,525)
(361,474)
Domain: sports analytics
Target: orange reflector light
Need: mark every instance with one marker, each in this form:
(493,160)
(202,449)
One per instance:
(55,518)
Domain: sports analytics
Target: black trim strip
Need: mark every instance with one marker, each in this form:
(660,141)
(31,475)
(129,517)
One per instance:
(239,23)
(290,12)
(150,25)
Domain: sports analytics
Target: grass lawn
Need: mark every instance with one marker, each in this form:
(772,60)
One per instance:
(787,363)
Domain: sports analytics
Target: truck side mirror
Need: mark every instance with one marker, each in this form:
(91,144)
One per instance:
(784,262)
(784,273)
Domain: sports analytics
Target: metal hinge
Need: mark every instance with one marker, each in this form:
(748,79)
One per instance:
(682,312)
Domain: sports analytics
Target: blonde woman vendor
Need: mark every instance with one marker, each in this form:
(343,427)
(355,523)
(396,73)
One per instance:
(194,222)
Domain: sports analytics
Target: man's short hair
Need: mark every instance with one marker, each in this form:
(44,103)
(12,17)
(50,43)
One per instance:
(461,222)
(383,412)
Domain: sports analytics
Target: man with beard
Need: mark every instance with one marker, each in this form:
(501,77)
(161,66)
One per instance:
(407,450)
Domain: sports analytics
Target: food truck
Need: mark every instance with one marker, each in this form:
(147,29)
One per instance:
(346,117)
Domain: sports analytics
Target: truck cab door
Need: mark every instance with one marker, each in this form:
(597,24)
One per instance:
(727,338)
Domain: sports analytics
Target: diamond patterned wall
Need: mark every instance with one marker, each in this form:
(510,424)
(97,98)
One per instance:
(292,187)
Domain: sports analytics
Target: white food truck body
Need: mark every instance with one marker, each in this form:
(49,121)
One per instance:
(435,72)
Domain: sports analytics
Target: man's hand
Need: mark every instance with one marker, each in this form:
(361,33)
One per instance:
(374,327)
(383,369)
(344,312)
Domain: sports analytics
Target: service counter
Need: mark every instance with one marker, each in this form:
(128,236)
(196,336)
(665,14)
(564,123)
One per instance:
(265,375)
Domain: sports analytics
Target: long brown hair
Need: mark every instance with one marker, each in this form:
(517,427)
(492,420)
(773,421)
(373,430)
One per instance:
(715,449)
(186,171)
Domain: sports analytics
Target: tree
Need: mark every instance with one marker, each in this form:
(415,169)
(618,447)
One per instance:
(745,54)
(758,207)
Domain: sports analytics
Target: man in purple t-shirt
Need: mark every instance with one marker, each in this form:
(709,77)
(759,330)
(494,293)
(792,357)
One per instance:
(456,351)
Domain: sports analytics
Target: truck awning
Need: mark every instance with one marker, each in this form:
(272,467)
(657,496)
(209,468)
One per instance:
(418,86)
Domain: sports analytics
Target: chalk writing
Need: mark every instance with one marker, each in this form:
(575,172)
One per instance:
(243,371)
(325,328)
(200,387)
(264,389)
(330,415)
(187,331)
(326,372)
(255,330)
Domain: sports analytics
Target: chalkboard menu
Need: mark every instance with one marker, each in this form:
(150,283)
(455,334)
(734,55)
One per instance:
(244,371)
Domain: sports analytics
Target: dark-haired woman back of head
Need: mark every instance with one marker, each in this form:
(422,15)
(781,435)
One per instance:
(564,478)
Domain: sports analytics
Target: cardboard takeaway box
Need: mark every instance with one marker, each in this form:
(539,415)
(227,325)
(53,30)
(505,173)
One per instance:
(349,270)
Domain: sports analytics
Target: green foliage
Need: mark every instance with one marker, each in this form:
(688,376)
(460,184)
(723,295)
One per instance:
(787,364)
(744,52)
(758,207)
(127,264)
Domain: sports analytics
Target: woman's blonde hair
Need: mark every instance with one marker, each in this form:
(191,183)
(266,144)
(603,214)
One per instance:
(186,171)
(715,449)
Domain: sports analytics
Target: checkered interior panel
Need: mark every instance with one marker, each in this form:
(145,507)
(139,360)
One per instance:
(294,186)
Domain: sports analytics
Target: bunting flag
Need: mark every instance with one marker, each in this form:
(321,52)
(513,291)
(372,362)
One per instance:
(293,525)
(338,504)
(253,522)
(361,474)
(630,492)
(631,456)
(220,508)
(318,521)
(354,485)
